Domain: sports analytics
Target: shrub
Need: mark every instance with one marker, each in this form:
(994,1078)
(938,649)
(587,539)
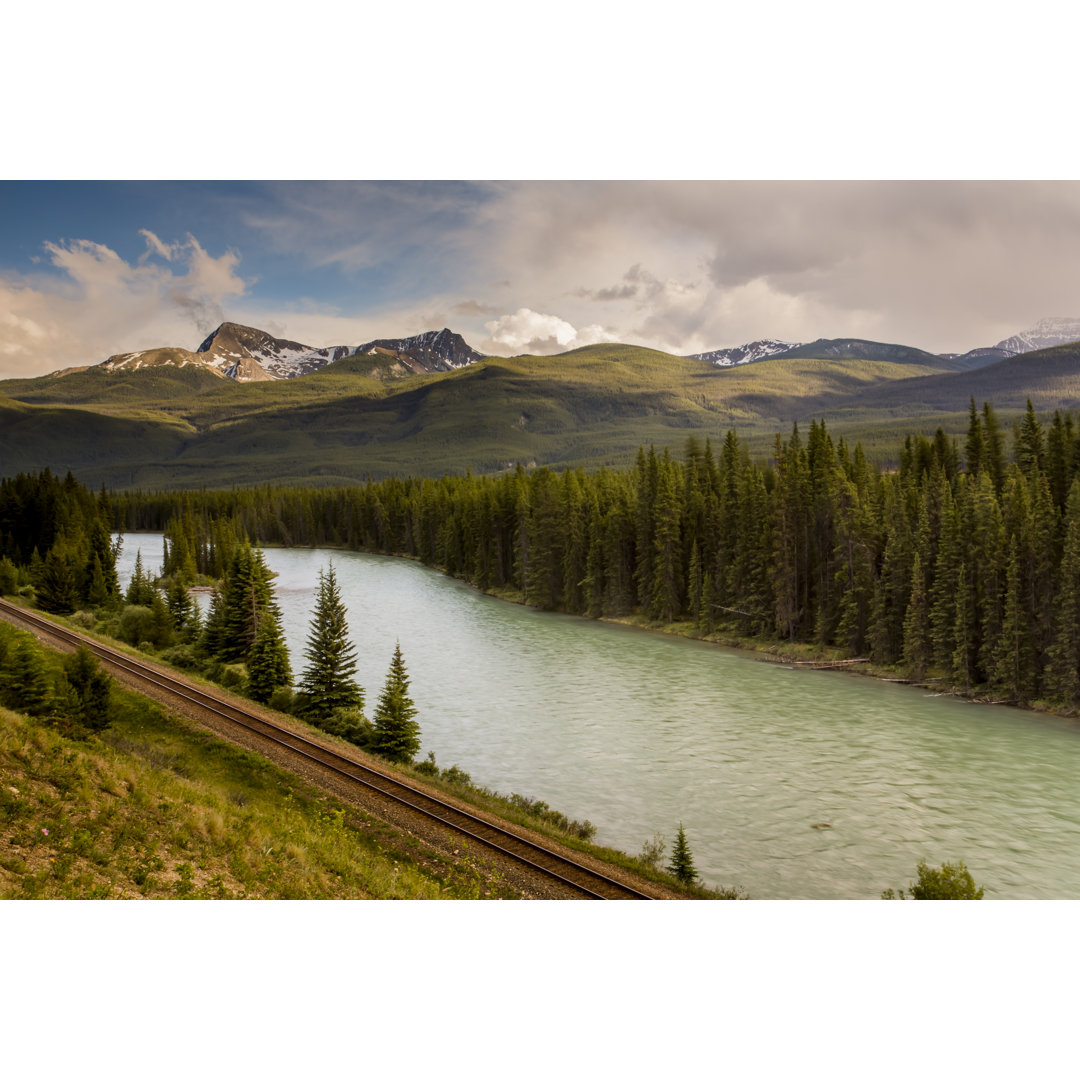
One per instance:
(457,775)
(233,676)
(136,622)
(652,851)
(952,881)
(428,766)
(282,699)
(181,656)
(349,724)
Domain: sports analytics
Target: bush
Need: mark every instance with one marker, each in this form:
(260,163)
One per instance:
(457,775)
(539,809)
(349,724)
(427,767)
(181,656)
(136,624)
(84,620)
(233,676)
(652,851)
(952,881)
(282,699)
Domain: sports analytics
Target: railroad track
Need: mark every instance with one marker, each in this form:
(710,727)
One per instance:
(535,857)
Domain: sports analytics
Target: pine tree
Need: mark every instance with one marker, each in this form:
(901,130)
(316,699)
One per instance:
(246,595)
(682,862)
(327,683)
(26,684)
(57,592)
(90,690)
(268,664)
(1063,669)
(1013,655)
(397,734)
(916,624)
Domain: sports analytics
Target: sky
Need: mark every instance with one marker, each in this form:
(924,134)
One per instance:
(93,268)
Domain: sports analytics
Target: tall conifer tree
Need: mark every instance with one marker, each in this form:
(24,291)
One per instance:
(397,733)
(327,682)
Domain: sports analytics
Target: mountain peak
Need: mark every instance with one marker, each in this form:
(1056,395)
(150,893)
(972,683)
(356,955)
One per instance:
(1043,335)
(434,350)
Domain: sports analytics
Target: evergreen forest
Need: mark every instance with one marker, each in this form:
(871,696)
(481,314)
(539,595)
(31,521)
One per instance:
(961,564)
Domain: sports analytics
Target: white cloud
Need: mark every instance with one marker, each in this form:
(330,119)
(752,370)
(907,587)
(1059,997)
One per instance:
(98,303)
(528,331)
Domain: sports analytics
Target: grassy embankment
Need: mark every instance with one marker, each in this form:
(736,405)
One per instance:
(156,807)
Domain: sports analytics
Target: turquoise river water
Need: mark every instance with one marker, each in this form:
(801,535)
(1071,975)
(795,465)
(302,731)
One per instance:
(638,732)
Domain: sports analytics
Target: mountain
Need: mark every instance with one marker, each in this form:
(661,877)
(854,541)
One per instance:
(236,352)
(1050,378)
(1045,334)
(858,349)
(242,352)
(975,358)
(425,405)
(745,354)
(245,354)
(437,350)
(374,413)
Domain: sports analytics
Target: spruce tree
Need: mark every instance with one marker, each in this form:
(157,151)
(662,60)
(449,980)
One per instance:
(268,664)
(90,698)
(682,862)
(140,591)
(1063,669)
(57,592)
(327,683)
(246,595)
(397,734)
(916,652)
(26,684)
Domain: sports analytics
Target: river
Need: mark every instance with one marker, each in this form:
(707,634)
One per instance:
(638,731)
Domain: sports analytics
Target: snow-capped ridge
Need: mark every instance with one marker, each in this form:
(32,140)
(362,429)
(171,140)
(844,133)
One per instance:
(745,354)
(246,354)
(1045,334)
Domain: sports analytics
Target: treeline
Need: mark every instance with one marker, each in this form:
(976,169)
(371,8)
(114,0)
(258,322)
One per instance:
(963,563)
(54,538)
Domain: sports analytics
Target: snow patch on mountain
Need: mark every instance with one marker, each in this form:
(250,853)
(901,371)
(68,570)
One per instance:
(745,354)
(1045,334)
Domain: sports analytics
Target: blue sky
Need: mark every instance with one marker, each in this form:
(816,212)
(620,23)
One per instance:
(88,269)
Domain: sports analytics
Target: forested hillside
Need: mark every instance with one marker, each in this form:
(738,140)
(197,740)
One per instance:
(962,564)
(169,427)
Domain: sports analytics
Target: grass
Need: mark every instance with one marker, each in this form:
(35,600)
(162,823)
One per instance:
(157,808)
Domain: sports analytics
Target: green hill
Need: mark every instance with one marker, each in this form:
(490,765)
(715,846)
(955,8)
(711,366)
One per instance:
(172,427)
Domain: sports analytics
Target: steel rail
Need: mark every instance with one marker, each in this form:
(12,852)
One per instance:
(401,792)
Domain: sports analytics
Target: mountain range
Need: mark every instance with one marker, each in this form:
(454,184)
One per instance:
(245,354)
(247,407)
(1045,334)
